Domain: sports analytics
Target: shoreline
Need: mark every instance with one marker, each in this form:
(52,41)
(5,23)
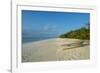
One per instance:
(37,41)
(53,50)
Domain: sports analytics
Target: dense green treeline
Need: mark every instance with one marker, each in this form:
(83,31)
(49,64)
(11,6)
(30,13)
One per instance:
(81,33)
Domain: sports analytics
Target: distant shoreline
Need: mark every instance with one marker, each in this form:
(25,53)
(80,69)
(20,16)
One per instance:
(36,39)
(49,39)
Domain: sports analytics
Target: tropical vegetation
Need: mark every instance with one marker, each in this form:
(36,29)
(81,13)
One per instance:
(81,33)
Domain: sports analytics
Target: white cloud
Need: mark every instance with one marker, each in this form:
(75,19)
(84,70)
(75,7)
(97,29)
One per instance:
(54,26)
(49,27)
(46,28)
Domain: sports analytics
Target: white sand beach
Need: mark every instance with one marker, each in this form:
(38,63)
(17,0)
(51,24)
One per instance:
(57,49)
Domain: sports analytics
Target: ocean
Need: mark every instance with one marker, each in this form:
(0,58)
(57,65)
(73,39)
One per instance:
(34,39)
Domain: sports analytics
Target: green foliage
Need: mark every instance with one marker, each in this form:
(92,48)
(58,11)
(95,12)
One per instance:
(82,33)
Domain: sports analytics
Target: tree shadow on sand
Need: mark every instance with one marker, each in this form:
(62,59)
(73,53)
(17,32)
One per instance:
(76,45)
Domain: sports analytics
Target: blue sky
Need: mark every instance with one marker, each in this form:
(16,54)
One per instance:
(52,23)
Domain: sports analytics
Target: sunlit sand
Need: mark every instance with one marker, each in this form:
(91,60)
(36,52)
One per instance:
(56,49)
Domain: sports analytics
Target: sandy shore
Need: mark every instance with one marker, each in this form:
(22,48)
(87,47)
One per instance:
(56,49)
